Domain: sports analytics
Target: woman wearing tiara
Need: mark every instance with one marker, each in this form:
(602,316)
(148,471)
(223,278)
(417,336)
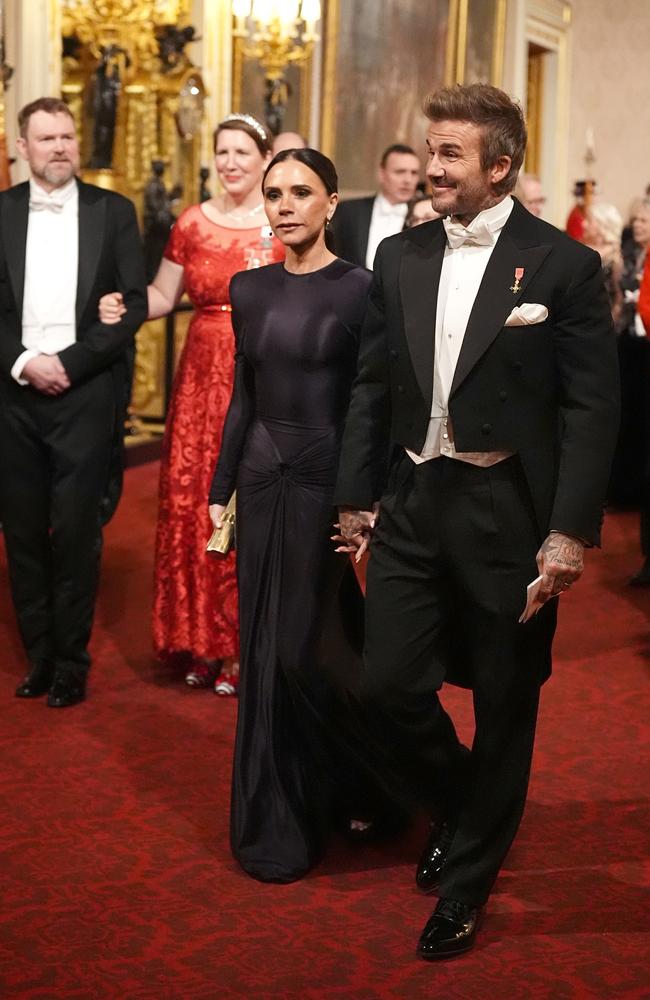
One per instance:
(195,594)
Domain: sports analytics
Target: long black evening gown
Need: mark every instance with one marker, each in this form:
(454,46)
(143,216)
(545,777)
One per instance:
(296,351)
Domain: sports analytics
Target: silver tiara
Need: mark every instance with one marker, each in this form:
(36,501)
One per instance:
(250,121)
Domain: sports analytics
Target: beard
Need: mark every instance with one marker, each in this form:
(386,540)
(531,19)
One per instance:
(56,175)
(471,197)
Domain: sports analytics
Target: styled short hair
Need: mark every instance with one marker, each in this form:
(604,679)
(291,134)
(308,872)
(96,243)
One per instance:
(397,147)
(260,135)
(501,121)
(51,105)
(321,165)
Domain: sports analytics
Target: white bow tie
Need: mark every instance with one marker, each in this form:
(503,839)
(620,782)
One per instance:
(458,235)
(40,203)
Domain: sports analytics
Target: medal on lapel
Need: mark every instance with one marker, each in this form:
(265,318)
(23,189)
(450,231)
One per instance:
(519,273)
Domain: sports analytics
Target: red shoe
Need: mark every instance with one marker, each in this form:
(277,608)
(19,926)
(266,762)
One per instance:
(226,684)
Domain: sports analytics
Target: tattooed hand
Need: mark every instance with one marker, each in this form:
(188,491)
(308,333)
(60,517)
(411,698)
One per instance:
(355,530)
(560,562)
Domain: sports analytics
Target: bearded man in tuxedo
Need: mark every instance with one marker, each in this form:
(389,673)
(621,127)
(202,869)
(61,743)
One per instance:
(63,244)
(475,458)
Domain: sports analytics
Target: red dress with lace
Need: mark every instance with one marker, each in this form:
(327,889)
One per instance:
(195,593)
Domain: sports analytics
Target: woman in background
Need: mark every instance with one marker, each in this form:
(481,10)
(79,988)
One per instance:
(642,577)
(627,480)
(420,210)
(195,594)
(602,230)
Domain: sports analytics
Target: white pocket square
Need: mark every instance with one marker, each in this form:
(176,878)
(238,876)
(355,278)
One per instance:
(527,314)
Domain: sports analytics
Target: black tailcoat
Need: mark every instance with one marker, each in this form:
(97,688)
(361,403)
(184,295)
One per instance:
(350,229)
(548,392)
(455,545)
(59,453)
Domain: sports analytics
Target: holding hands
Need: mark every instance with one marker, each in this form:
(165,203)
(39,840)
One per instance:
(355,530)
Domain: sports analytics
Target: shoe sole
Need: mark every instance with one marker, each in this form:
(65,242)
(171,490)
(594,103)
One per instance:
(455,953)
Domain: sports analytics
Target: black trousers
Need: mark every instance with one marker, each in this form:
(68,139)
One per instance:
(451,558)
(54,460)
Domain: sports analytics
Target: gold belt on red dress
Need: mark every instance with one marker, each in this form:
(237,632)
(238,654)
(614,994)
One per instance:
(225,307)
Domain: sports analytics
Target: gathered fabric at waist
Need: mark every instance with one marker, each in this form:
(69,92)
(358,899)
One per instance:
(274,447)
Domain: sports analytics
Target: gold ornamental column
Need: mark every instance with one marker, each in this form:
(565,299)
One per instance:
(110,80)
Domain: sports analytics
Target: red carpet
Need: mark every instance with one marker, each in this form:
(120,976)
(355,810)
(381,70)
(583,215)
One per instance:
(116,881)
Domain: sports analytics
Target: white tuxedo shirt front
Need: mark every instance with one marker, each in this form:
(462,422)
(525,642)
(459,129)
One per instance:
(51,266)
(463,269)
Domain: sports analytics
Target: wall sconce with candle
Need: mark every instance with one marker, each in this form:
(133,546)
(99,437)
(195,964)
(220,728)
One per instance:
(277,33)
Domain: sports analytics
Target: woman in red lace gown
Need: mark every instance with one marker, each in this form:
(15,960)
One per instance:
(195,594)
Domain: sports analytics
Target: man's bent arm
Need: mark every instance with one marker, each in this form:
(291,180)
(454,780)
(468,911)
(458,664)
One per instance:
(365,446)
(102,344)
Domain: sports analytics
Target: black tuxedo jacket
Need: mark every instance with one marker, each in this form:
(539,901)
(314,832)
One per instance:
(110,259)
(350,228)
(548,392)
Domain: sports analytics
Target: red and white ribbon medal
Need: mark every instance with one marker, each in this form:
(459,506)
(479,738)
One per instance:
(519,273)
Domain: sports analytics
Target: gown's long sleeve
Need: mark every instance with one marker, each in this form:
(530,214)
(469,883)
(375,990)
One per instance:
(239,414)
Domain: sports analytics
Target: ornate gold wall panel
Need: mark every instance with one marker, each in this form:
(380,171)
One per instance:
(476,41)
(123,35)
(248,90)
(158,114)
(329,90)
(534,109)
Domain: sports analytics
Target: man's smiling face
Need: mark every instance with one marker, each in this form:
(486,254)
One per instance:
(461,186)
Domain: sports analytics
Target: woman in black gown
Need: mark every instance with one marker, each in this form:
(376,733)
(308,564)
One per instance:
(296,327)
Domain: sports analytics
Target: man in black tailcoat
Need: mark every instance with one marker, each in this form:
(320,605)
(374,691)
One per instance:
(63,376)
(360,224)
(475,457)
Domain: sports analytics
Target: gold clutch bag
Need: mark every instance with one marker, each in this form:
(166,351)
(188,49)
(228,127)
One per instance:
(222,539)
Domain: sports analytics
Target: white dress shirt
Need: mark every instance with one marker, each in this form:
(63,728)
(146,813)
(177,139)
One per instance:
(386,220)
(462,272)
(51,264)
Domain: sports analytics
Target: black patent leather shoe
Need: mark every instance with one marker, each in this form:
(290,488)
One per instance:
(66,691)
(450,930)
(37,682)
(434,855)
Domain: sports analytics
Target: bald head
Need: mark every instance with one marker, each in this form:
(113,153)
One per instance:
(288,140)
(529,192)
